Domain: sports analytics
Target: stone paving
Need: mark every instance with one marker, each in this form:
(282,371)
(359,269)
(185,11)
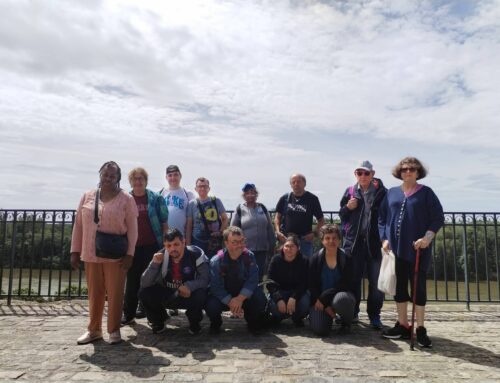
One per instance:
(38,343)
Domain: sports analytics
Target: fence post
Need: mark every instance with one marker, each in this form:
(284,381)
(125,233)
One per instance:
(12,256)
(466,271)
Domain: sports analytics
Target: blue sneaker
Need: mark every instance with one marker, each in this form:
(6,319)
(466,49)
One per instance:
(376,323)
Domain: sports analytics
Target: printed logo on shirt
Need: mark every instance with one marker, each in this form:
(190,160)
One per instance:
(175,201)
(187,270)
(210,214)
(142,208)
(174,284)
(297,208)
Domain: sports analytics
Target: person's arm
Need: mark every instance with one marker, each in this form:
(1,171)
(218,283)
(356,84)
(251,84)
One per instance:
(236,219)
(153,271)
(203,274)
(131,222)
(217,288)
(272,285)
(301,280)
(189,225)
(277,225)
(436,220)
(223,215)
(271,236)
(163,213)
(382,223)
(253,278)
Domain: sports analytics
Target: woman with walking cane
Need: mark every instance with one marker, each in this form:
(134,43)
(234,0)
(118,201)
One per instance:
(409,218)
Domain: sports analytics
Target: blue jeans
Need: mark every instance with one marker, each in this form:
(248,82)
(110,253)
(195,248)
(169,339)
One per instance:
(363,261)
(253,308)
(301,306)
(306,247)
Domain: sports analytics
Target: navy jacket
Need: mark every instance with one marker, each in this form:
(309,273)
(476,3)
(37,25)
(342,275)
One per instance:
(351,220)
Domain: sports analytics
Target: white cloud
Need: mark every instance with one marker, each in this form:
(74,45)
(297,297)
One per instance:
(243,91)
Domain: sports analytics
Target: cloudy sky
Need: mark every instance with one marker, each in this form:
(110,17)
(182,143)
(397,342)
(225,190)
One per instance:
(245,90)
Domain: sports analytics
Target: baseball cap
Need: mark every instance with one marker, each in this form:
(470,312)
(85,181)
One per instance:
(172,169)
(248,186)
(366,165)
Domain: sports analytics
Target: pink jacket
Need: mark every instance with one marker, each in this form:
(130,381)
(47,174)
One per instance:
(118,216)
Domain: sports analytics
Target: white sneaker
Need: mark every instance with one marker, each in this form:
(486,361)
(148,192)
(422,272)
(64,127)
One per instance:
(115,337)
(89,337)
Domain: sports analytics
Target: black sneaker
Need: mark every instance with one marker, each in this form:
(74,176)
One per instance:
(422,338)
(158,328)
(173,313)
(127,320)
(397,332)
(139,314)
(194,329)
(214,329)
(344,329)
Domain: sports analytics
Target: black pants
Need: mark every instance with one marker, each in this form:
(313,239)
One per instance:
(404,273)
(142,258)
(157,298)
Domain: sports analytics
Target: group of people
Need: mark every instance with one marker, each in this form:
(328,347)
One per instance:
(177,251)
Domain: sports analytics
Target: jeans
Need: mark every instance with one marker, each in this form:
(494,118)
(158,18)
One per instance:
(253,308)
(306,247)
(301,306)
(364,262)
(261,258)
(142,258)
(157,298)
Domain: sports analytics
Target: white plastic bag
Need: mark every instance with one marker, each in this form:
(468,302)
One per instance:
(387,277)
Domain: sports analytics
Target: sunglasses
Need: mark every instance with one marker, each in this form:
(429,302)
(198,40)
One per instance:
(360,173)
(411,170)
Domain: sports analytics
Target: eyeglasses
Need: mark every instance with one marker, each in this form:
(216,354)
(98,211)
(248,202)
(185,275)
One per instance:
(365,173)
(202,186)
(411,170)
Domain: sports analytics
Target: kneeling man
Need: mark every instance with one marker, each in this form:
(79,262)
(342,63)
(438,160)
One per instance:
(176,278)
(234,279)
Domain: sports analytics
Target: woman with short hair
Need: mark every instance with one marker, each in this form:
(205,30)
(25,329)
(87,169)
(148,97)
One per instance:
(152,223)
(409,218)
(105,212)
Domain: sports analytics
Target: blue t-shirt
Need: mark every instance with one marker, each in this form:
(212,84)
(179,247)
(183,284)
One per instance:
(329,277)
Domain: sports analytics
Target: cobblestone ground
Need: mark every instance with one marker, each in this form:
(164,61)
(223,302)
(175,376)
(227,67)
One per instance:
(38,343)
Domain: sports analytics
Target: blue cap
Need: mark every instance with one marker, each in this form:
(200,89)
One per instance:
(248,186)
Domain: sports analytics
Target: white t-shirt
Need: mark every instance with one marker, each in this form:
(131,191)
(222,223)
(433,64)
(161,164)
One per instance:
(177,204)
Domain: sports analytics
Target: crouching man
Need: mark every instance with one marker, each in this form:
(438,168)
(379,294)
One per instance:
(176,278)
(234,279)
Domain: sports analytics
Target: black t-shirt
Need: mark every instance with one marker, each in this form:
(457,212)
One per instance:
(298,212)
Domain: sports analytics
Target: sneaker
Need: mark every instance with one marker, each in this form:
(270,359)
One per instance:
(89,337)
(115,337)
(397,332)
(139,314)
(194,329)
(376,323)
(422,338)
(127,321)
(173,312)
(344,329)
(355,319)
(158,328)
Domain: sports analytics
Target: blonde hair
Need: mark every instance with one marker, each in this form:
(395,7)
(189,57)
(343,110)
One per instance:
(138,170)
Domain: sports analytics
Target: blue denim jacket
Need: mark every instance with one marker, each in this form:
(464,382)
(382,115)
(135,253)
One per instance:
(248,274)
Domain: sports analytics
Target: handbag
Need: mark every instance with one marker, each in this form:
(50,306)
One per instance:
(111,246)
(387,276)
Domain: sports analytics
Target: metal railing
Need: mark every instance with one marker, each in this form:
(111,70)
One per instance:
(35,253)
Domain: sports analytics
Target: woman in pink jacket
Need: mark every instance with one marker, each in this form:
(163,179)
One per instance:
(116,214)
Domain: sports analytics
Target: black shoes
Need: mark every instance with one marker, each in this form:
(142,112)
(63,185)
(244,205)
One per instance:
(397,332)
(158,328)
(422,339)
(194,329)
(127,321)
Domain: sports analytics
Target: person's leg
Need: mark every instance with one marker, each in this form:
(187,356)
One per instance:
(194,308)
(132,285)
(214,308)
(254,309)
(402,328)
(375,296)
(153,298)
(114,280)
(343,303)
(301,309)
(306,248)
(97,295)
(358,267)
(260,257)
(320,322)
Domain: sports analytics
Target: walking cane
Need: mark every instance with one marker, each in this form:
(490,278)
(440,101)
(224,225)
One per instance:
(415,279)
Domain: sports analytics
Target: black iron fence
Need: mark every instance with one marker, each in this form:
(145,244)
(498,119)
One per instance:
(35,253)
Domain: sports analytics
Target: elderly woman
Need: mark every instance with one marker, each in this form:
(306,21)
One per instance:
(105,215)
(253,218)
(152,224)
(409,218)
(330,281)
(287,283)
